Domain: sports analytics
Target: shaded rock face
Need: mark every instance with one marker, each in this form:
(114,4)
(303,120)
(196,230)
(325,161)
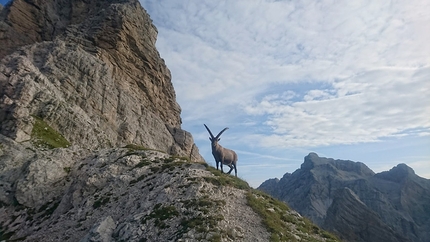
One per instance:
(89,69)
(349,199)
(349,217)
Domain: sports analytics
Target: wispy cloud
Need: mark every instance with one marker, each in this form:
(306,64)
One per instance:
(384,103)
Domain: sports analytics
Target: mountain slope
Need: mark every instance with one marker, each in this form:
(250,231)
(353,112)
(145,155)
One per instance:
(135,194)
(348,198)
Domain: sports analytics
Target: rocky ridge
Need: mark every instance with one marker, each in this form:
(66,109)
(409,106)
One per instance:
(349,199)
(134,194)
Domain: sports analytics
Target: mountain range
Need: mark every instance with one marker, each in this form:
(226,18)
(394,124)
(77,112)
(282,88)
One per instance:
(350,200)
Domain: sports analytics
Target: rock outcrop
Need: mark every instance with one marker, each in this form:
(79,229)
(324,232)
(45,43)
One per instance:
(90,70)
(349,199)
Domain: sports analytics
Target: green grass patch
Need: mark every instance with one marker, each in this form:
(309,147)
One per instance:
(226,179)
(201,223)
(101,202)
(67,169)
(171,166)
(142,163)
(43,135)
(276,216)
(169,159)
(140,178)
(160,214)
(155,169)
(203,217)
(204,204)
(261,204)
(309,227)
(133,147)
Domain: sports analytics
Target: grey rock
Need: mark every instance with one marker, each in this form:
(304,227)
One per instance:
(270,185)
(92,72)
(349,217)
(125,194)
(102,231)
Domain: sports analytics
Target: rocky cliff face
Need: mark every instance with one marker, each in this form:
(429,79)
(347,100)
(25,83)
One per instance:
(349,199)
(89,69)
(91,145)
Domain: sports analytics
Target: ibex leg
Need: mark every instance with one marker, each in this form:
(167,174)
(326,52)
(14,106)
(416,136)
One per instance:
(231,168)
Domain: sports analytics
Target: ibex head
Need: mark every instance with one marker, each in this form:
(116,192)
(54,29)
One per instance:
(214,140)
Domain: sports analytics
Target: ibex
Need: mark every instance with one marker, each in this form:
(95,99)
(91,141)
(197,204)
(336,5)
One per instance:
(221,154)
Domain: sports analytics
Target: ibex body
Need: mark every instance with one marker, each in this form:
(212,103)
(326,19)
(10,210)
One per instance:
(222,155)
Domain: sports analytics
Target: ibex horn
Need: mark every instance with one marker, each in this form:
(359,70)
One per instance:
(221,133)
(212,136)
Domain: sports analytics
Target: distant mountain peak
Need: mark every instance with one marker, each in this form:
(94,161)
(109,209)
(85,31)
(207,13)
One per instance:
(397,173)
(333,166)
(403,168)
(310,161)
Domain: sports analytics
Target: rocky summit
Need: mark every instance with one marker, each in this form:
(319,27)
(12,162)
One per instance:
(349,199)
(91,145)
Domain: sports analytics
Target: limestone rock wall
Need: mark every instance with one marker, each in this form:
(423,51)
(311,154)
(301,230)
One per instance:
(91,70)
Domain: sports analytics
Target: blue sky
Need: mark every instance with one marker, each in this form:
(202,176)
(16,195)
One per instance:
(347,80)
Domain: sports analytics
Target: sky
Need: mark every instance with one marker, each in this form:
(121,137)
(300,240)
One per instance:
(345,79)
